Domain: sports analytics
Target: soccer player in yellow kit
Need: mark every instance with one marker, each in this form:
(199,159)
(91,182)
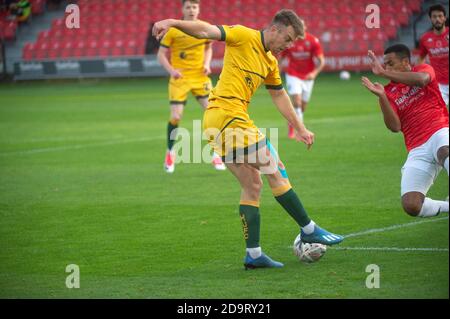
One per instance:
(189,67)
(248,63)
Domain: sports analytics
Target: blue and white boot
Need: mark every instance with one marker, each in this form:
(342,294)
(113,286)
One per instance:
(262,261)
(321,236)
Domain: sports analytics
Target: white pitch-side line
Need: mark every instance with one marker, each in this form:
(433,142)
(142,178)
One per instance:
(79,146)
(400,249)
(379,230)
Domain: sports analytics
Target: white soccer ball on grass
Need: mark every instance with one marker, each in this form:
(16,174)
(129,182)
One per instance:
(308,252)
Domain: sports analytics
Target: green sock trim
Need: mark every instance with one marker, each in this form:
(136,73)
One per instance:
(251,222)
(170,128)
(292,204)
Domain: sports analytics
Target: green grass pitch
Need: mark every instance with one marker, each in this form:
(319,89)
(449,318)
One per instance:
(82,182)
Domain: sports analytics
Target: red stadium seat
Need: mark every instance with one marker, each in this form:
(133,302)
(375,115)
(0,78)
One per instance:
(41,50)
(67,49)
(54,50)
(104,48)
(130,48)
(28,51)
(79,49)
(92,48)
(117,49)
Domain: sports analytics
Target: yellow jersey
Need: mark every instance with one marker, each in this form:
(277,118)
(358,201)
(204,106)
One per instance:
(187,53)
(247,65)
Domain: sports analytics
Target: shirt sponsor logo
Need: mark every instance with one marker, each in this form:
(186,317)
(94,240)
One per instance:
(409,97)
(301,55)
(439,51)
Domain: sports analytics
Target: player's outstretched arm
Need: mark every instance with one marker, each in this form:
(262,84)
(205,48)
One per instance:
(420,79)
(391,120)
(283,103)
(197,29)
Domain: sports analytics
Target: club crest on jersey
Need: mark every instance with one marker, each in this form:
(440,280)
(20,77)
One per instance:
(249,81)
(405,90)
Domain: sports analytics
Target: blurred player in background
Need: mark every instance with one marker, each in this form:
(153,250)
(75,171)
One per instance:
(249,62)
(189,67)
(411,103)
(434,44)
(305,61)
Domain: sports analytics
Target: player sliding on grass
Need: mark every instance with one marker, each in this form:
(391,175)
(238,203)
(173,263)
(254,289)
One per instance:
(248,63)
(412,103)
(189,68)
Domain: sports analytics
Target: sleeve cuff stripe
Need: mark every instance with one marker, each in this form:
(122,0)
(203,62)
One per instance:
(163,45)
(222,33)
(275,87)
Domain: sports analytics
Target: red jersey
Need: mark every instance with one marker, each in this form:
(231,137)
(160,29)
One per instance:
(301,56)
(422,111)
(436,47)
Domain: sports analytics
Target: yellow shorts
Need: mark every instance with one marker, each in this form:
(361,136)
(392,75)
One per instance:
(200,86)
(231,133)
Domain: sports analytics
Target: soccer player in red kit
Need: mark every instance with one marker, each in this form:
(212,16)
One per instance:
(434,43)
(301,72)
(411,103)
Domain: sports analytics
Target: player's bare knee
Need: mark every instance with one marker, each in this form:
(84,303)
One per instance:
(297,101)
(304,104)
(176,117)
(256,186)
(411,205)
(442,154)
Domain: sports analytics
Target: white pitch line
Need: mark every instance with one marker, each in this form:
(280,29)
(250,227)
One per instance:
(379,230)
(395,249)
(79,146)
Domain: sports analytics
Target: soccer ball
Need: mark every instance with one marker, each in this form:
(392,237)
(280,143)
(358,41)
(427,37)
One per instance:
(307,252)
(344,75)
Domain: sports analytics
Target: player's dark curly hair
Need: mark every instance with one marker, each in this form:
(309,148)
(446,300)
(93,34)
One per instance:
(287,18)
(437,7)
(400,50)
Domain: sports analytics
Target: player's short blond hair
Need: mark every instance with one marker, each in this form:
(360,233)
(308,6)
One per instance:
(288,18)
